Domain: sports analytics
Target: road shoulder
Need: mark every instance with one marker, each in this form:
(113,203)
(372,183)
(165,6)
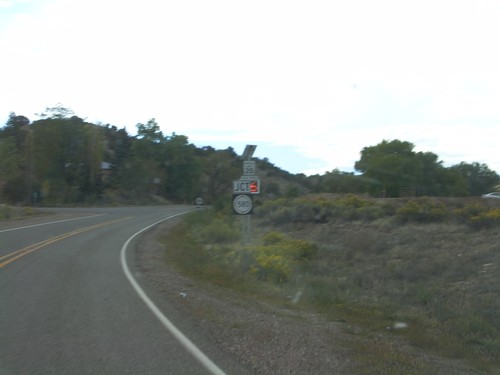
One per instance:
(264,338)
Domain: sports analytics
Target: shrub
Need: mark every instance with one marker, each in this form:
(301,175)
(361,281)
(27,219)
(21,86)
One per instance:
(280,216)
(422,211)
(473,209)
(323,292)
(351,200)
(485,219)
(478,216)
(273,238)
(271,266)
(217,231)
(371,212)
(278,255)
(29,211)
(5,211)
(352,207)
(320,210)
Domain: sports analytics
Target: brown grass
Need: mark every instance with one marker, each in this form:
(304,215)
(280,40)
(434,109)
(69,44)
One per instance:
(440,277)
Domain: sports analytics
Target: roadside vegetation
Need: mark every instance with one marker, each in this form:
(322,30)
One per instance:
(397,257)
(62,159)
(13,213)
(422,270)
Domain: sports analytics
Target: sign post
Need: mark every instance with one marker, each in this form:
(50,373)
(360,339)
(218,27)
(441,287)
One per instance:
(243,191)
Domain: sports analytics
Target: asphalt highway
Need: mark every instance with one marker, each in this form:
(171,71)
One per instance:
(70,301)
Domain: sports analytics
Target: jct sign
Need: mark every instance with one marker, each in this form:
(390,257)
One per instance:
(246,186)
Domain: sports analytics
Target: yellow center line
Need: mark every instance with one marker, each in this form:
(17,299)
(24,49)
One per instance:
(29,249)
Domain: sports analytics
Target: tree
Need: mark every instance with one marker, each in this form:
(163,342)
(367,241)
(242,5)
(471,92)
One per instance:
(390,165)
(478,177)
(16,127)
(118,153)
(16,135)
(449,183)
(149,150)
(10,169)
(68,153)
(427,173)
(90,184)
(337,181)
(57,112)
(182,169)
(150,132)
(220,168)
(143,173)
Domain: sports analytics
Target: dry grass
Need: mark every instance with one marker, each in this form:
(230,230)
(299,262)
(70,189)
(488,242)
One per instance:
(15,213)
(434,285)
(442,279)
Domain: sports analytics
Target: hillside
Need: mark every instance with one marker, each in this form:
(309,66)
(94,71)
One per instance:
(412,282)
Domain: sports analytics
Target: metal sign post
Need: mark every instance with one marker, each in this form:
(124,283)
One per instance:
(243,191)
(247,230)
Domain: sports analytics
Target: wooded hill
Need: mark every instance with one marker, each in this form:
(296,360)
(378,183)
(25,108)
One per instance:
(63,159)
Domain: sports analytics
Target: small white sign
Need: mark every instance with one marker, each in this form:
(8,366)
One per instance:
(248,168)
(242,204)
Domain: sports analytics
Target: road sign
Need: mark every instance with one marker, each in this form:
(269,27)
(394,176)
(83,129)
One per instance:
(242,204)
(254,187)
(248,168)
(248,152)
(244,186)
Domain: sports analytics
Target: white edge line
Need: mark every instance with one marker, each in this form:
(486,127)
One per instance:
(188,344)
(50,222)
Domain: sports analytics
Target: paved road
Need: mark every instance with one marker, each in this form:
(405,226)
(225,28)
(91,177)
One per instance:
(67,305)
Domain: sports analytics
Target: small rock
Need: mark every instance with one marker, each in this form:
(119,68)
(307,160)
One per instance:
(400,325)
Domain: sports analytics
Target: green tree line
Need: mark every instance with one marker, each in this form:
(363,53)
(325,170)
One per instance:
(394,169)
(63,159)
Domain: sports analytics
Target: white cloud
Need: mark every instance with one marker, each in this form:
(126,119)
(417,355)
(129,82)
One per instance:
(325,78)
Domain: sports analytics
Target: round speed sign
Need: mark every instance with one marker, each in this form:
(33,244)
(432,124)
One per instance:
(242,204)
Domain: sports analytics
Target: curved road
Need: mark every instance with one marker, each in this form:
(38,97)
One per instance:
(70,303)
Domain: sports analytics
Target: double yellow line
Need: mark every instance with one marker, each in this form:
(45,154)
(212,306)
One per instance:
(9,258)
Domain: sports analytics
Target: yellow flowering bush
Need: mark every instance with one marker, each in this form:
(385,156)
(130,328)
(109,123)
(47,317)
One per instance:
(278,255)
(486,219)
(422,211)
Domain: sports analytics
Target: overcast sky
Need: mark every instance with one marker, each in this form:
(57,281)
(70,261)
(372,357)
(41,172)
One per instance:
(309,82)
